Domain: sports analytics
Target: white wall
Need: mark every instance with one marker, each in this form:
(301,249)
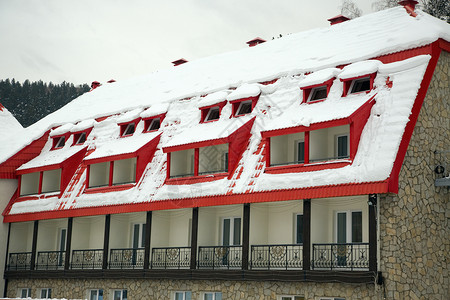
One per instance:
(29,183)
(21,237)
(124,171)
(48,234)
(120,234)
(281,223)
(8,187)
(283,149)
(51,180)
(210,223)
(171,228)
(322,142)
(181,162)
(88,233)
(99,174)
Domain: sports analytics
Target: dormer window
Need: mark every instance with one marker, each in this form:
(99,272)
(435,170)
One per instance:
(79,138)
(153,124)
(245,107)
(127,129)
(318,93)
(59,142)
(213,114)
(359,84)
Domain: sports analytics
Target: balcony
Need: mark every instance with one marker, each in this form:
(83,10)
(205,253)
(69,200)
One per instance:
(50,260)
(220,257)
(19,261)
(126,258)
(279,257)
(87,259)
(171,258)
(343,256)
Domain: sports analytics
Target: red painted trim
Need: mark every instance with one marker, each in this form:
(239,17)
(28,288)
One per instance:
(296,129)
(88,171)
(306,151)
(196,145)
(267,154)
(111,173)
(269,81)
(409,129)
(196,179)
(196,161)
(168,165)
(307,90)
(341,190)
(307,167)
(444,45)
(111,188)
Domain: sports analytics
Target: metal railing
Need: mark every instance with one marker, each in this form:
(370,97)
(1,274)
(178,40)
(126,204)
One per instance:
(220,257)
(171,258)
(19,261)
(87,259)
(268,257)
(348,256)
(50,260)
(127,258)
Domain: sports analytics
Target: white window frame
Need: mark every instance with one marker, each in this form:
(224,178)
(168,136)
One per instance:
(336,143)
(47,291)
(349,237)
(184,294)
(354,82)
(121,294)
(27,292)
(215,295)
(330,298)
(209,114)
(240,107)
(290,297)
(222,225)
(98,292)
(311,94)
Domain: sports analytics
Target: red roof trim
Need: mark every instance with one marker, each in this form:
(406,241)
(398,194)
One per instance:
(196,145)
(307,90)
(107,189)
(196,179)
(326,165)
(351,189)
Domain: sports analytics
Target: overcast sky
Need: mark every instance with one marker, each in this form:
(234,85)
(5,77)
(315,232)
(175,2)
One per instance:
(85,40)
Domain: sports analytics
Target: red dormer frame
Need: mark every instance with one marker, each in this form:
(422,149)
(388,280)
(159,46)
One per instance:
(236,103)
(124,125)
(308,89)
(148,121)
(57,138)
(348,83)
(77,135)
(205,110)
(357,121)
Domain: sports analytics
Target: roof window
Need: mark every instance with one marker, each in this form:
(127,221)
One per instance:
(153,124)
(358,84)
(59,142)
(317,92)
(245,107)
(211,112)
(127,129)
(79,138)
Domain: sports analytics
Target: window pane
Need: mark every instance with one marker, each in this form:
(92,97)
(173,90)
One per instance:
(43,293)
(342,227)
(244,108)
(361,85)
(213,114)
(93,295)
(342,147)
(299,298)
(237,231)
(226,232)
(188,296)
(49,293)
(117,295)
(124,295)
(299,229)
(301,152)
(179,296)
(286,298)
(100,294)
(318,93)
(154,124)
(136,236)
(208,296)
(218,296)
(357,227)
(24,293)
(143,236)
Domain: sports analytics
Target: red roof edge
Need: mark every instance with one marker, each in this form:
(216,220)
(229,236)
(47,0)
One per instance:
(342,190)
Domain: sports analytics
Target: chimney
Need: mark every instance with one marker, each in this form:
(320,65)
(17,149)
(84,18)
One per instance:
(179,62)
(111,81)
(338,19)
(410,6)
(255,41)
(94,85)
(1,107)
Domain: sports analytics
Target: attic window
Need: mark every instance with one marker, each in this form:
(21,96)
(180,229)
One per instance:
(153,124)
(59,142)
(213,114)
(127,129)
(245,107)
(79,138)
(318,93)
(358,84)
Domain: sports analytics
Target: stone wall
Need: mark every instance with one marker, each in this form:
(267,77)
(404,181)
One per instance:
(163,289)
(414,225)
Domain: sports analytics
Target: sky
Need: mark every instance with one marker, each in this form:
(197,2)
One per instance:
(82,41)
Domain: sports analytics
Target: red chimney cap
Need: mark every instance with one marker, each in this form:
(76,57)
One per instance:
(410,3)
(337,19)
(111,81)
(179,62)
(1,107)
(255,41)
(94,85)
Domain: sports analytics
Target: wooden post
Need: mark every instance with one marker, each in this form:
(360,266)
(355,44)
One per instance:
(307,234)
(148,235)
(194,237)
(246,236)
(68,243)
(372,232)
(34,245)
(106,242)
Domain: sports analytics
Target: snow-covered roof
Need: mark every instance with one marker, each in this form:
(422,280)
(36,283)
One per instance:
(297,60)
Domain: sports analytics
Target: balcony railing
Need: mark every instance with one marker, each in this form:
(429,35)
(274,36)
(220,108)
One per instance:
(277,257)
(50,260)
(127,258)
(87,259)
(340,256)
(19,261)
(171,258)
(220,257)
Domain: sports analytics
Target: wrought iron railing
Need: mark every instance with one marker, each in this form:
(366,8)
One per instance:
(50,260)
(171,258)
(220,257)
(277,256)
(19,261)
(87,259)
(348,256)
(127,258)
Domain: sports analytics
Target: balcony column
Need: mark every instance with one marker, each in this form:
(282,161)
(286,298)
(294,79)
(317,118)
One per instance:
(106,241)
(307,234)
(194,237)
(34,245)
(246,236)
(148,235)
(68,243)
(6,260)
(372,232)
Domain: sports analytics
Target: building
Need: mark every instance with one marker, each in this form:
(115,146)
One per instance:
(308,167)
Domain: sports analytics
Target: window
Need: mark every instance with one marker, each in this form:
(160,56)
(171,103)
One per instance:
(99,174)
(29,183)
(120,295)
(245,107)
(213,114)
(127,129)
(24,293)
(123,172)
(318,93)
(138,240)
(287,149)
(153,124)
(331,298)
(182,295)
(182,163)
(46,293)
(360,85)
(299,229)
(291,297)
(212,296)
(300,152)
(79,138)
(349,227)
(213,159)
(231,231)
(51,181)
(40,182)
(59,142)
(342,146)
(96,294)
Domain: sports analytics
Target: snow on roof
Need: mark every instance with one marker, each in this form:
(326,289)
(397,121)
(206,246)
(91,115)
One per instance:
(359,68)
(244,91)
(319,77)
(8,123)
(213,98)
(53,157)
(83,125)
(154,110)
